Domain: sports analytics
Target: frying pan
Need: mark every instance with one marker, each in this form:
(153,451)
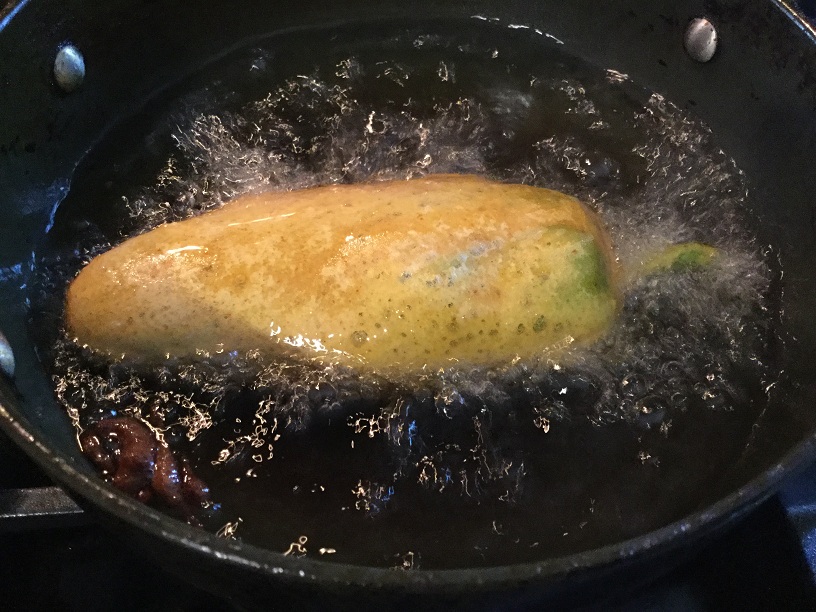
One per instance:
(758,95)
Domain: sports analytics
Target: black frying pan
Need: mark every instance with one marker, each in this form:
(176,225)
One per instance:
(758,95)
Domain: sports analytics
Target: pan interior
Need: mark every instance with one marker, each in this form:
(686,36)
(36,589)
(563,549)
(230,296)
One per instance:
(466,467)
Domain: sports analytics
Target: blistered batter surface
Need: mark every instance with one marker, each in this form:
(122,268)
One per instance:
(395,274)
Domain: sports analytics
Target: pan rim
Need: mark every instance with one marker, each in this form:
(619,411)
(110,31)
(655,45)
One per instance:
(312,571)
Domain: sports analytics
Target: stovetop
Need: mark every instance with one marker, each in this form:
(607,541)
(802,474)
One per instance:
(52,557)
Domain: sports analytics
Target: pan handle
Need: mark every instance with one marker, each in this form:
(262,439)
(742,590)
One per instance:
(28,500)
(38,508)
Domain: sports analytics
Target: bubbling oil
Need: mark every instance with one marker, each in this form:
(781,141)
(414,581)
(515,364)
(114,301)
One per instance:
(465,465)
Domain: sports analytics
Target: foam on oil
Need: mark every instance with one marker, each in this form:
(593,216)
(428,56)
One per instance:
(466,465)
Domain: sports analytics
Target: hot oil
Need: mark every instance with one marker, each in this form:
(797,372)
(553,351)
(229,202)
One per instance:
(467,466)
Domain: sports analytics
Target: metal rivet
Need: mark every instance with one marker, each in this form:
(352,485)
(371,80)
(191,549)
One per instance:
(6,356)
(700,39)
(69,68)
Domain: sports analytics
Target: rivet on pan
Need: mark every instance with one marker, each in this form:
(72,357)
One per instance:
(700,40)
(69,68)
(6,356)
